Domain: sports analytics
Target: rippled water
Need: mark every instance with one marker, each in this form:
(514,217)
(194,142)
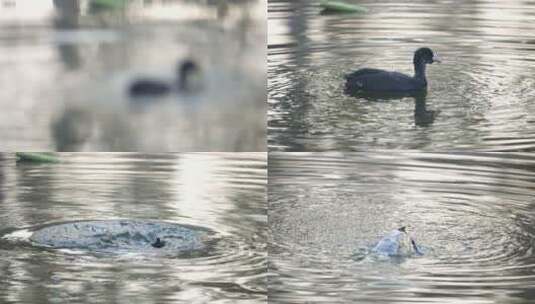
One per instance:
(124,236)
(222,195)
(472,213)
(65,70)
(480,97)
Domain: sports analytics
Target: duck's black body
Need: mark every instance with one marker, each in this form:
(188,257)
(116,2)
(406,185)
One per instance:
(149,87)
(375,80)
(158,244)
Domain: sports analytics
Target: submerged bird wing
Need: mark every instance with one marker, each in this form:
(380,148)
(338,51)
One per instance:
(389,244)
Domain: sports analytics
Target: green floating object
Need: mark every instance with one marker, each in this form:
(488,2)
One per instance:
(341,7)
(36,157)
(108,4)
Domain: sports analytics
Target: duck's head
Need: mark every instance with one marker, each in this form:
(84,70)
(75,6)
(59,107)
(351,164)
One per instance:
(425,55)
(188,76)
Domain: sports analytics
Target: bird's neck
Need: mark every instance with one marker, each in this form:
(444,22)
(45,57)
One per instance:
(419,71)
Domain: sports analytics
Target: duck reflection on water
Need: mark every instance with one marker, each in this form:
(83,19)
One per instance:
(422,116)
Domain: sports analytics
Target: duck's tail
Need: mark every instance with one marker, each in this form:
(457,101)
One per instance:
(416,249)
(413,243)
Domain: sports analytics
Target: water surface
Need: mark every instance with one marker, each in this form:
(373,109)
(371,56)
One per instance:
(480,97)
(220,196)
(472,215)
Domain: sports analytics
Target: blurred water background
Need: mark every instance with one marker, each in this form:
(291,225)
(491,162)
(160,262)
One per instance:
(66,66)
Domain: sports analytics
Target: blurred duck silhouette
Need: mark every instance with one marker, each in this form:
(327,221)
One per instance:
(188,80)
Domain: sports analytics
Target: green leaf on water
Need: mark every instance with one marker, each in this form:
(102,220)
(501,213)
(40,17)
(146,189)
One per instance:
(36,157)
(108,4)
(341,7)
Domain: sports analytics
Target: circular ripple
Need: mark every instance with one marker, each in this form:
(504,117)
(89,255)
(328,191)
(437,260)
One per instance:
(126,236)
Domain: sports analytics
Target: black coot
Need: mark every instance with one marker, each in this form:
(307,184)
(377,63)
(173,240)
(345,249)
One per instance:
(158,244)
(147,87)
(374,80)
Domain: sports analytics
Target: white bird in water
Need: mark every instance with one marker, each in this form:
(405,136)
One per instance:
(397,243)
